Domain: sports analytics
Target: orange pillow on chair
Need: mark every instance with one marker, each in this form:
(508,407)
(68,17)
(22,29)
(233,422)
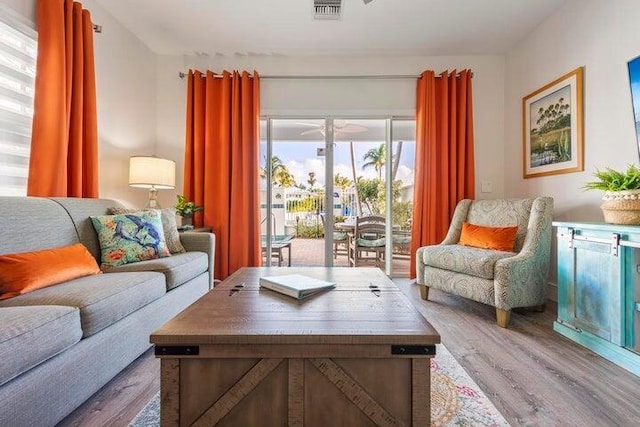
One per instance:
(496,238)
(25,272)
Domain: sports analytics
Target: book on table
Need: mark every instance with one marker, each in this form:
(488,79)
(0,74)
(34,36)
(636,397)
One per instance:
(295,285)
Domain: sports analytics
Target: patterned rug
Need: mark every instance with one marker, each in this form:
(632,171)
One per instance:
(455,399)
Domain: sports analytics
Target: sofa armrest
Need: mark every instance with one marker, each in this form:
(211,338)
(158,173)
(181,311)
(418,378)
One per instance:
(520,281)
(201,242)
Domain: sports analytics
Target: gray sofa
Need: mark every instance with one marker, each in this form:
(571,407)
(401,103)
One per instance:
(61,344)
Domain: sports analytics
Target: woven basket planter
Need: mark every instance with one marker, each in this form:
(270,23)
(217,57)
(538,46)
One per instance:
(621,207)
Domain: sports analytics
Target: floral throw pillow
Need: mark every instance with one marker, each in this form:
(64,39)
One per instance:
(169,226)
(130,238)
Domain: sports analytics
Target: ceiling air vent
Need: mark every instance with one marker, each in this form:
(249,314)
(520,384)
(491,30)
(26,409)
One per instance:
(327,9)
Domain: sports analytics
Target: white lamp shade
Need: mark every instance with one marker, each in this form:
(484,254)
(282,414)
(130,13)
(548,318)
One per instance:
(152,172)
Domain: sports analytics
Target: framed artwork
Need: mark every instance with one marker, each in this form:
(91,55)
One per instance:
(553,128)
(634,81)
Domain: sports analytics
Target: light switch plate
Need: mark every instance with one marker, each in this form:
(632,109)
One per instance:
(486,187)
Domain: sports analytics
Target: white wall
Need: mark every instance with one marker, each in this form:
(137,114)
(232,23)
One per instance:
(601,36)
(126,80)
(141,100)
(344,97)
(126,86)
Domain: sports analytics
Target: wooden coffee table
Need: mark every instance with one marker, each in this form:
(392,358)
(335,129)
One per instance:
(246,356)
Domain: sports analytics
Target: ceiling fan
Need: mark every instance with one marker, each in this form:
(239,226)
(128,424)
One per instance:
(339,127)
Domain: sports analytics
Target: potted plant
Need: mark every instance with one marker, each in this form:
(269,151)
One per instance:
(186,209)
(622,194)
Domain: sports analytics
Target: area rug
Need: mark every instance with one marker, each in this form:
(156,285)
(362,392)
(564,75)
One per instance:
(455,399)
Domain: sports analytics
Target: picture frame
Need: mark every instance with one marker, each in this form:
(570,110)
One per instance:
(552,127)
(634,84)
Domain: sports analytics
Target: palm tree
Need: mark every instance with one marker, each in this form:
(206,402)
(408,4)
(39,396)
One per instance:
(342,182)
(355,178)
(312,180)
(376,158)
(396,162)
(280,174)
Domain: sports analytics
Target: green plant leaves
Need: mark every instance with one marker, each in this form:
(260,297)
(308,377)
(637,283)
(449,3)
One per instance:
(612,180)
(186,208)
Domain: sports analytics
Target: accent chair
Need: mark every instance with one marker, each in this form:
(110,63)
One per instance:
(502,279)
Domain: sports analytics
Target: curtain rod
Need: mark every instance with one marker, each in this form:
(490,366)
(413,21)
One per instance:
(333,77)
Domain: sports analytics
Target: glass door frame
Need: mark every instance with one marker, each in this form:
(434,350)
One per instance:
(329,140)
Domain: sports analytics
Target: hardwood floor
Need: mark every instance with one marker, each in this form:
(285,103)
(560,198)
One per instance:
(534,376)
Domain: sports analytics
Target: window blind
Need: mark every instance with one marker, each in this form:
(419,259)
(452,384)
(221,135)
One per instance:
(18,50)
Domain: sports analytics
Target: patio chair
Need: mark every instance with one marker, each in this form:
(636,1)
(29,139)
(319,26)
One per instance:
(401,244)
(340,241)
(367,244)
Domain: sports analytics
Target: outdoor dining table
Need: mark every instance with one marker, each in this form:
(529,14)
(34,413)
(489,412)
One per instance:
(349,227)
(344,226)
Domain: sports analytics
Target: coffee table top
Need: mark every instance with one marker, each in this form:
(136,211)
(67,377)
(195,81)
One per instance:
(349,314)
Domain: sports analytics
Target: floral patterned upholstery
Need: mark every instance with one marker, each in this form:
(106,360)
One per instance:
(463,259)
(502,279)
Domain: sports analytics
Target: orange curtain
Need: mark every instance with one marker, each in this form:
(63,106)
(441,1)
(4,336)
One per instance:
(445,172)
(221,163)
(64,142)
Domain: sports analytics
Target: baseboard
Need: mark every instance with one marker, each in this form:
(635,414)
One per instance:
(552,291)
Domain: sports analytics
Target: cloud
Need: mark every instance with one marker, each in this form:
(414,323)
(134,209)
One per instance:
(405,174)
(300,171)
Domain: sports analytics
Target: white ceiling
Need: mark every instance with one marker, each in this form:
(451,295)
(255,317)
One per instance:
(286,27)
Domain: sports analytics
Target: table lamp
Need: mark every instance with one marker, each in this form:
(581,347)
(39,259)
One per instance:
(153,173)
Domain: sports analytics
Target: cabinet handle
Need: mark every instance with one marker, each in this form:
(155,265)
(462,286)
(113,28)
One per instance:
(569,325)
(614,241)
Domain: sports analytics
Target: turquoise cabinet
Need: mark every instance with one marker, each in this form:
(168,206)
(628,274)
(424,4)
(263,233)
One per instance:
(599,289)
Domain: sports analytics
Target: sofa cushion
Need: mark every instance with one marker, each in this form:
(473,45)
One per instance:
(178,269)
(103,299)
(80,210)
(130,237)
(31,335)
(463,259)
(27,271)
(32,223)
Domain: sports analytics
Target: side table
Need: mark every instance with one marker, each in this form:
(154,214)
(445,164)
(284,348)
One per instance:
(196,230)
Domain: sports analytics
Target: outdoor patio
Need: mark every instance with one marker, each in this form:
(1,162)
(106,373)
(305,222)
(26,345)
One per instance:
(309,252)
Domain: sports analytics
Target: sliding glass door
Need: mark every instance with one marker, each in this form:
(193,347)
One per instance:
(294,185)
(312,217)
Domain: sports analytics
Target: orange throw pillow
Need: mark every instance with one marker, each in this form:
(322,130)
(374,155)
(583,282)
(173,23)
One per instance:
(28,271)
(496,238)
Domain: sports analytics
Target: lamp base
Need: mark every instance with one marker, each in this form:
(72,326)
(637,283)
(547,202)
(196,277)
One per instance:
(153,199)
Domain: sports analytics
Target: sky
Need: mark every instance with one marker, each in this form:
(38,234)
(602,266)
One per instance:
(300,158)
